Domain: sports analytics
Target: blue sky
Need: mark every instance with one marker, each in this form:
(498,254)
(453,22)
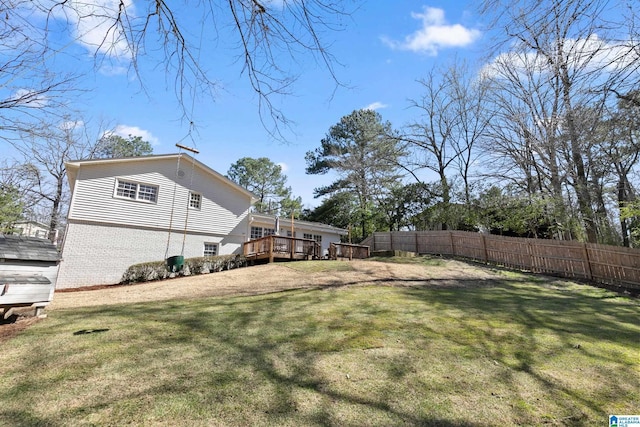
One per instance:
(382,50)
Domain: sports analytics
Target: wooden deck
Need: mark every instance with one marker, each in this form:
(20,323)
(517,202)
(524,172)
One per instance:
(280,248)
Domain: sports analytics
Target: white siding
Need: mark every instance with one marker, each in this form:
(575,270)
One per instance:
(97,254)
(31,229)
(223,206)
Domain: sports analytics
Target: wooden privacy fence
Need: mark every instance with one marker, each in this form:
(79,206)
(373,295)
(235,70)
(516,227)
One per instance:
(347,250)
(599,263)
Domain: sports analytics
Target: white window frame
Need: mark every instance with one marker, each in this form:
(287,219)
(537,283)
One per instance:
(268,232)
(195,200)
(211,244)
(307,236)
(256,232)
(137,191)
(318,238)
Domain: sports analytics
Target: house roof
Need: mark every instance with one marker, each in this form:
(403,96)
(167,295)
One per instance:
(73,166)
(285,222)
(27,249)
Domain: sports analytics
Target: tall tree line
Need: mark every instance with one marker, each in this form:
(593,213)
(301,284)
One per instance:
(541,141)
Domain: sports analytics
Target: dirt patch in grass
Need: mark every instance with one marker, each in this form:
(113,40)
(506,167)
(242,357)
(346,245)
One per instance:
(270,278)
(12,326)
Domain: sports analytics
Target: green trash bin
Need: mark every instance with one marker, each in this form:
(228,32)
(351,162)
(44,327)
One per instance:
(175,263)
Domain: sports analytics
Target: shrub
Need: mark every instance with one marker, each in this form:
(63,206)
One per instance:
(204,265)
(157,270)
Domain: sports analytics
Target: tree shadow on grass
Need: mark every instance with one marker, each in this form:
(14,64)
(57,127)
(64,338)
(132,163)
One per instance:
(261,355)
(579,319)
(272,342)
(279,346)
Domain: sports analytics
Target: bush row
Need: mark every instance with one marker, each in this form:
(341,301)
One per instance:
(157,270)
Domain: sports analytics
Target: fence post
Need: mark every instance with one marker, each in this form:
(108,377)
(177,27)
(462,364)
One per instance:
(484,248)
(391,240)
(587,262)
(453,248)
(415,234)
(270,248)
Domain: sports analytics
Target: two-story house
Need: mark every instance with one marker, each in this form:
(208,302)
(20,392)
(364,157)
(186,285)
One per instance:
(126,211)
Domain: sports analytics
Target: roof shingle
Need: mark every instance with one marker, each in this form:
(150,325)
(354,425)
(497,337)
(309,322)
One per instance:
(27,249)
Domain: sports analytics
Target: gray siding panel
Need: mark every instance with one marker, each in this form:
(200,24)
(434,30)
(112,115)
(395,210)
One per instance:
(223,207)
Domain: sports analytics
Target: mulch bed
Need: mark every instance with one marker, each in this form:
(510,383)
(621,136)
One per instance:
(95,287)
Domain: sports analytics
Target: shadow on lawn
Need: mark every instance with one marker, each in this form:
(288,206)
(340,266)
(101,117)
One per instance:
(262,353)
(575,319)
(276,342)
(578,319)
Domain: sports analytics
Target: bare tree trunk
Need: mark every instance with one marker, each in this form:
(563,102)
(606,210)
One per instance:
(622,199)
(432,136)
(581,182)
(45,149)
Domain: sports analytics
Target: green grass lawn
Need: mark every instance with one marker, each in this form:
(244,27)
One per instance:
(521,351)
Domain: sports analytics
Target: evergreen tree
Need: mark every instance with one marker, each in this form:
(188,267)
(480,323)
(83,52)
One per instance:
(364,152)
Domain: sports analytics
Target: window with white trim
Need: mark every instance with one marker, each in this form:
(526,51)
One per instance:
(147,192)
(317,238)
(256,232)
(195,200)
(289,233)
(135,191)
(307,236)
(269,231)
(210,249)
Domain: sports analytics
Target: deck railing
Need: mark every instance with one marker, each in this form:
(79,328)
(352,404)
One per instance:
(280,247)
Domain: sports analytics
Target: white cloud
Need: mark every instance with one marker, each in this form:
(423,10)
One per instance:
(591,53)
(375,106)
(513,62)
(93,24)
(435,34)
(124,131)
(71,125)
(29,98)
(284,166)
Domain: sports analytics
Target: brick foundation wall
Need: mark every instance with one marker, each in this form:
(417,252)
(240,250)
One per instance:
(96,254)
